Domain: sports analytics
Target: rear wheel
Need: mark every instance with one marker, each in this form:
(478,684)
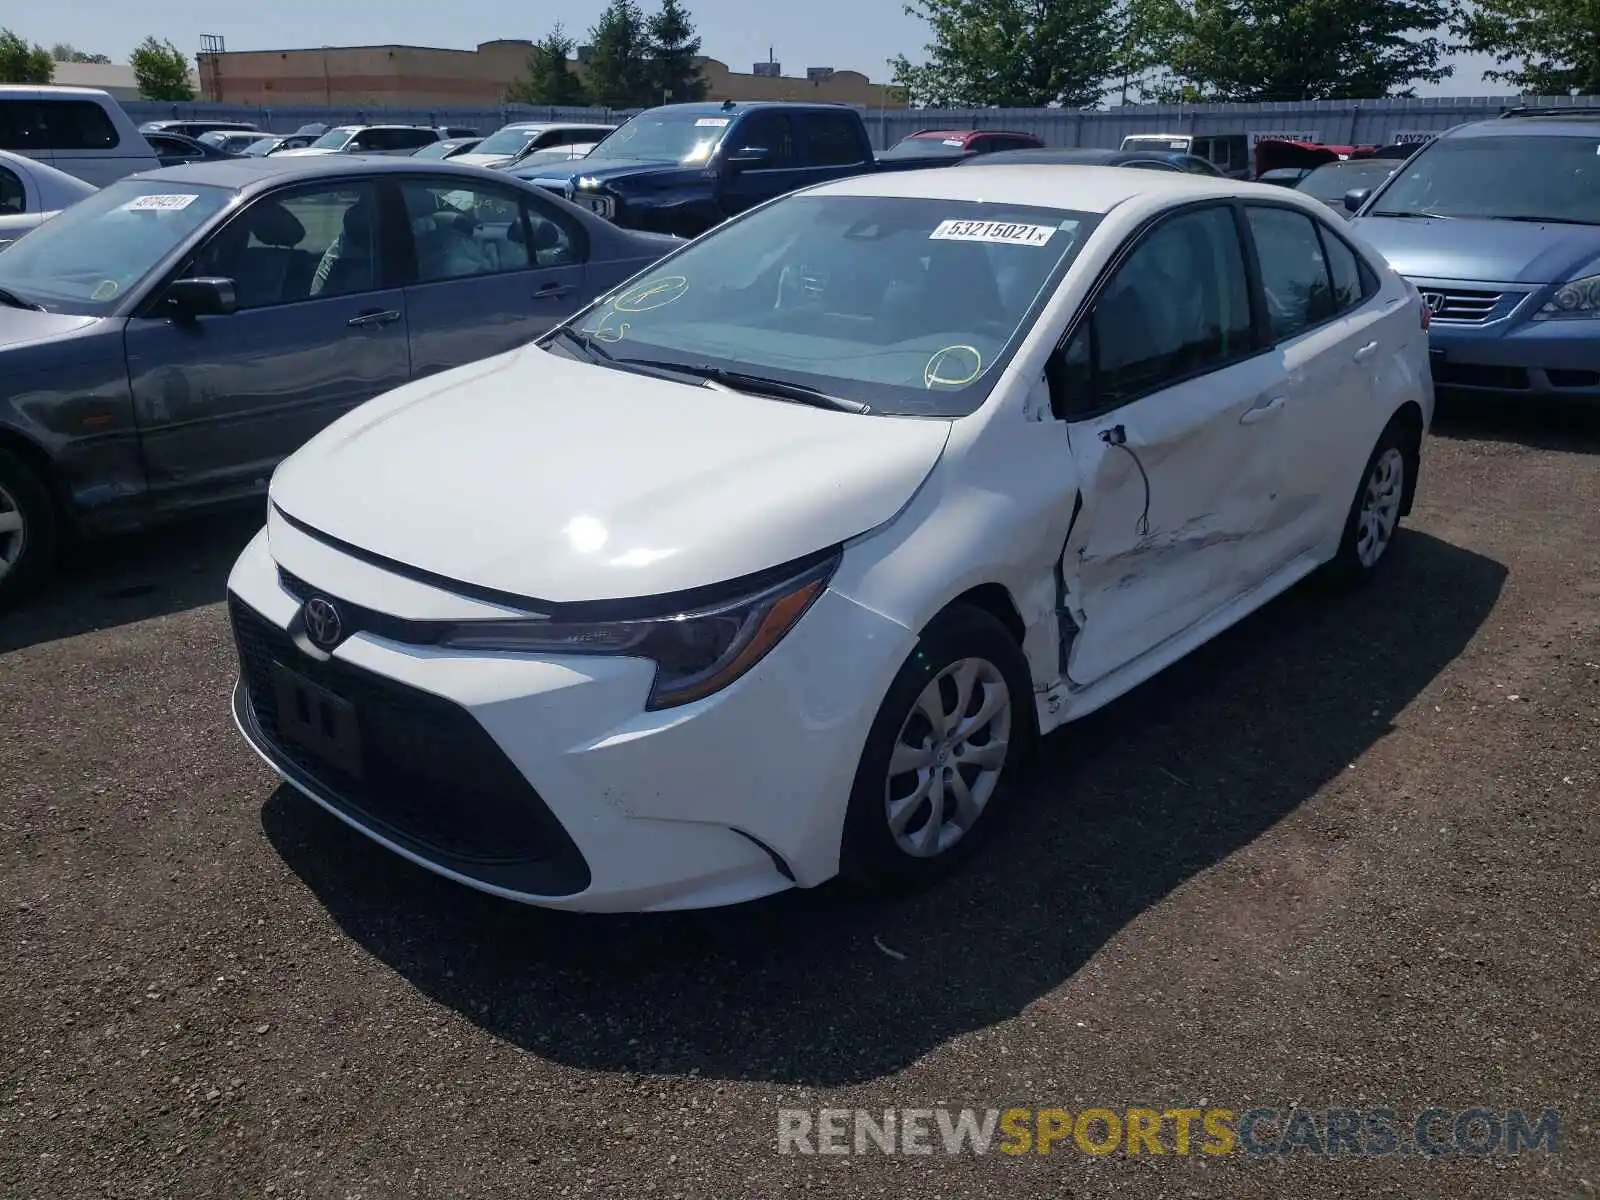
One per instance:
(1374,516)
(27,528)
(947,743)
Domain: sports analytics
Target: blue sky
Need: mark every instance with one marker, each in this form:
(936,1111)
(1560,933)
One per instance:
(843,34)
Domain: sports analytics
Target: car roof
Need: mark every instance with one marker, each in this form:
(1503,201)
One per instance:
(1096,189)
(1087,156)
(1539,124)
(712,108)
(255,174)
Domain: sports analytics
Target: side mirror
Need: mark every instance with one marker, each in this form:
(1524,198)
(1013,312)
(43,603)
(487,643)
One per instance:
(748,156)
(1355,198)
(201,297)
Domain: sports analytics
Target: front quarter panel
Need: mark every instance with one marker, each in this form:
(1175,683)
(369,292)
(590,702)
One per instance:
(70,398)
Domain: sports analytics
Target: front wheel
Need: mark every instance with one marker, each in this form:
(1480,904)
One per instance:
(948,741)
(1374,516)
(27,529)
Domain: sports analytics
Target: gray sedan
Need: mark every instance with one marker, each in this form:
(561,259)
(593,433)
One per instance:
(167,340)
(32,192)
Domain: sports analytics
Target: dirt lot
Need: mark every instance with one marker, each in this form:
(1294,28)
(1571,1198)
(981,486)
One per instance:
(1349,855)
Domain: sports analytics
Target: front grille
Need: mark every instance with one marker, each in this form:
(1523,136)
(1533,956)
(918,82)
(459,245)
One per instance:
(1468,306)
(432,778)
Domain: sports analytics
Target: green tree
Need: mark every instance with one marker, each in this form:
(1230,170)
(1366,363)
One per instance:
(162,71)
(67,52)
(1261,50)
(672,47)
(24,62)
(551,81)
(618,71)
(1013,53)
(1543,47)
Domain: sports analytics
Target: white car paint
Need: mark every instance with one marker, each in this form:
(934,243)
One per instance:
(540,132)
(124,153)
(43,192)
(539,476)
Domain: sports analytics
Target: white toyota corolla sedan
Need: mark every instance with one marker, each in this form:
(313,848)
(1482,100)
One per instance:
(768,566)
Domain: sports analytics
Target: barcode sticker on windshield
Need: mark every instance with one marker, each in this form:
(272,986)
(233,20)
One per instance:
(711,123)
(957,142)
(160,203)
(1004,232)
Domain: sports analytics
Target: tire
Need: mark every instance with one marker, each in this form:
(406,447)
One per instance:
(962,643)
(1374,517)
(27,529)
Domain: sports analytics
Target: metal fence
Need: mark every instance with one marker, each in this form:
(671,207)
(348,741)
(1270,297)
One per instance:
(1338,122)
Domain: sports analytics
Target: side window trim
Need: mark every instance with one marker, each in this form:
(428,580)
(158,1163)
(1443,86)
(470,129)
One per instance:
(1080,318)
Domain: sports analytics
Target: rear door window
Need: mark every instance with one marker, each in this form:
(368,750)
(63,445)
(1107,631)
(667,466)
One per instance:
(832,140)
(77,125)
(13,196)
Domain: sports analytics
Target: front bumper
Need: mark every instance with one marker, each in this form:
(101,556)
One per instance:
(544,780)
(1494,347)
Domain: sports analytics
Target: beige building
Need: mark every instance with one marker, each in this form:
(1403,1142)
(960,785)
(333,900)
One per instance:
(116,78)
(419,76)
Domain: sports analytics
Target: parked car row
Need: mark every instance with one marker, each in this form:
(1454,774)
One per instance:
(628,655)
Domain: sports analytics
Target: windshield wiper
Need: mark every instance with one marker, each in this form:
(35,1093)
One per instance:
(589,344)
(1391,212)
(757,385)
(16,301)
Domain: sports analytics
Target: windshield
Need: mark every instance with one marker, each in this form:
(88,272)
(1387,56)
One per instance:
(667,136)
(926,147)
(438,150)
(1156,143)
(1329,183)
(335,139)
(1500,178)
(507,141)
(911,306)
(265,146)
(88,258)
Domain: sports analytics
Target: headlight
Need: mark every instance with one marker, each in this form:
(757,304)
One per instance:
(1580,298)
(696,652)
(588,182)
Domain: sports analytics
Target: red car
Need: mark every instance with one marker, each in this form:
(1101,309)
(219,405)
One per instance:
(945,144)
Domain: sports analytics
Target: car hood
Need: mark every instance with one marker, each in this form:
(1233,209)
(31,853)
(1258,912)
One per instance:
(605,169)
(25,327)
(1471,249)
(479,160)
(303,152)
(533,474)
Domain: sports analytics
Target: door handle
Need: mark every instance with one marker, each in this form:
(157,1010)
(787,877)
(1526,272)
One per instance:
(1366,352)
(552,291)
(1261,411)
(373,317)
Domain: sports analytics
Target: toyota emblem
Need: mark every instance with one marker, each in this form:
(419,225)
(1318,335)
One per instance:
(323,624)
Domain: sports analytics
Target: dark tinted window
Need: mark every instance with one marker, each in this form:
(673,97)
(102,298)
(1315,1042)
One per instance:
(1005,142)
(1294,271)
(55,125)
(767,131)
(1179,305)
(77,125)
(13,198)
(832,139)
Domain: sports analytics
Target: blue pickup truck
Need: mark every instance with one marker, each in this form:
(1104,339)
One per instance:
(683,168)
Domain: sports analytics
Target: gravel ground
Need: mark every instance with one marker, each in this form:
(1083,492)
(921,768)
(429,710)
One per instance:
(1346,856)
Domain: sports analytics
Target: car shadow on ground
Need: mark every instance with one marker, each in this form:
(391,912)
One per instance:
(1573,428)
(1120,809)
(103,584)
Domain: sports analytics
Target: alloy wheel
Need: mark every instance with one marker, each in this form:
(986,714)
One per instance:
(13,532)
(948,757)
(1380,507)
